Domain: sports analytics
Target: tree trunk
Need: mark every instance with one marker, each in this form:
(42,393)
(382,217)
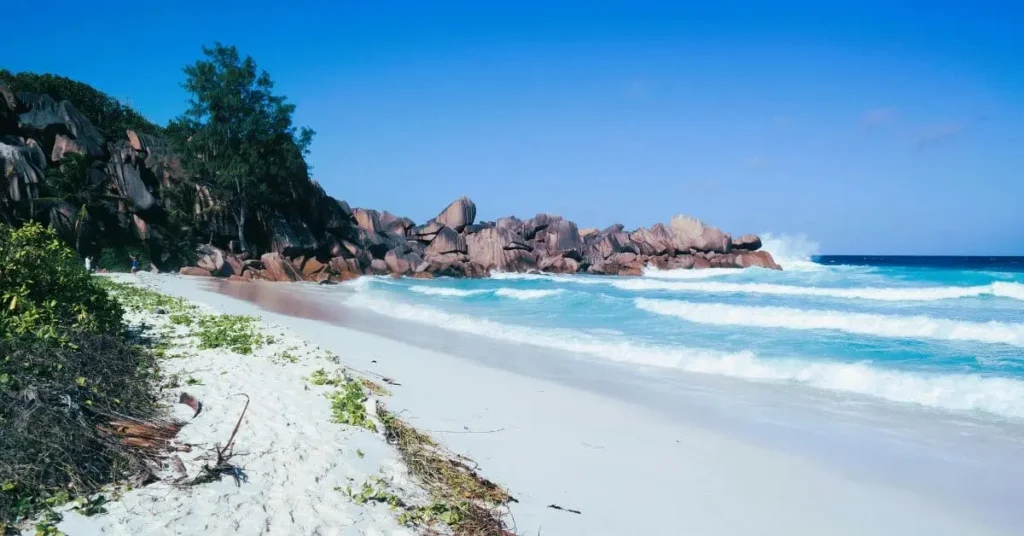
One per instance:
(240,220)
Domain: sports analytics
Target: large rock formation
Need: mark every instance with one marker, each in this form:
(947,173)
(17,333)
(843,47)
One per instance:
(459,214)
(546,243)
(311,235)
(691,234)
(501,249)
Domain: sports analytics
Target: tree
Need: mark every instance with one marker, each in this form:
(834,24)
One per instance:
(237,137)
(69,182)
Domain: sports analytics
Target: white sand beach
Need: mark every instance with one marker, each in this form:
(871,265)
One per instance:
(551,431)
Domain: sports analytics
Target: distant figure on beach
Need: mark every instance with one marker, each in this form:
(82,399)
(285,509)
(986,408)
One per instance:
(88,264)
(135,263)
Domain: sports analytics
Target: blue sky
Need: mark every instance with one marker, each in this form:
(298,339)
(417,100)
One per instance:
(872,127)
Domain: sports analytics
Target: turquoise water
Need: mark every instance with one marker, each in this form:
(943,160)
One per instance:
(950,337)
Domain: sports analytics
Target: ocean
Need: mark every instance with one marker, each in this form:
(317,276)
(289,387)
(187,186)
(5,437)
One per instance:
(944,333)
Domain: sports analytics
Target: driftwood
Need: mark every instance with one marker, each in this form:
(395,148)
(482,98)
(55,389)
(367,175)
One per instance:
(563,509)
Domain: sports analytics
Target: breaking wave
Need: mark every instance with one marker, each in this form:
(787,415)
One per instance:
(962,392)
(504,292)
(997,289)
(447,291)
(520,294)
(906,327)
(792,252)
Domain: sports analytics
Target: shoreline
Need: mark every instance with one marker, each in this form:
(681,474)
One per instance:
(559,450)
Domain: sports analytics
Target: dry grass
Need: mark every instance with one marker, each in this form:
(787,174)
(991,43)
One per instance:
(481,505)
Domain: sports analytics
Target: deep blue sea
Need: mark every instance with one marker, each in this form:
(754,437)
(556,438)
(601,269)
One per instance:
(942,332)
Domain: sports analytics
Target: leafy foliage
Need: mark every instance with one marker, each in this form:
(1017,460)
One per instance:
(134,298)
(65,367)
(238,136)
(105,112)
(44,289)
(117,257)
(237,333)
(348,405)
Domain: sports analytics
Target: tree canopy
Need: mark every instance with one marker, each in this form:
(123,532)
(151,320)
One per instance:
(237,136)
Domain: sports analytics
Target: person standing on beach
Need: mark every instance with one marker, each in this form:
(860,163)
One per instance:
(135,263)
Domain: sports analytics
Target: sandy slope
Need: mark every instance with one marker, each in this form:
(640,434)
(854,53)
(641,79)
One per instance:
(292,454)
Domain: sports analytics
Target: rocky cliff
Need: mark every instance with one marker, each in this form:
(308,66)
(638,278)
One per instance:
(453,244)
(313,236)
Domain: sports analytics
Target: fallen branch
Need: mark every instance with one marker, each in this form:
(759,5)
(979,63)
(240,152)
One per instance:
(222,464)
(556,507)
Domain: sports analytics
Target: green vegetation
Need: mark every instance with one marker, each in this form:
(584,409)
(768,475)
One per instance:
(285,356)
(322,377)
(134,298)
(108,115)
(117,257)
(44,290)
(464,500)
(238,136)
(67,367)
(68,182)
(461,516)
(373,491)
(348,405)
(237,333)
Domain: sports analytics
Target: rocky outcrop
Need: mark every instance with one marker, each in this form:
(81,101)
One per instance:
(500,249)
(692,234)
(426,232)
(290,236)
(654,241)
(402,263)
(124,170)
(395,224)
(278,268)
(747,242)
(8,108)
(23,168)
(144,143)
(458,215)
(368,220)
(43,119)
(546,243)
(447,241)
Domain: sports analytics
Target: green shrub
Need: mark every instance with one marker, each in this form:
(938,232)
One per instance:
(66,366)
(45,290)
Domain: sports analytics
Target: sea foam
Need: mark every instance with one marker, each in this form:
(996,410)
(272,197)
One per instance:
(905,327)
(447,291)
(526,294)
(967,392)
(997,289)
(503,292)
